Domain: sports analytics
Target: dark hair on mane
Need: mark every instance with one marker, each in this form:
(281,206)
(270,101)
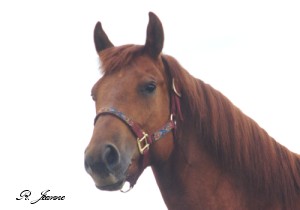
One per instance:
(236,141)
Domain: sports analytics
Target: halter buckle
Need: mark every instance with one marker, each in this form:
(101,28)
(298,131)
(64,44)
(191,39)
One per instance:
(142,143)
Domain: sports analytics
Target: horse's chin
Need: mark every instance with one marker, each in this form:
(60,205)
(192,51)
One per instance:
(123,182)
(112,187)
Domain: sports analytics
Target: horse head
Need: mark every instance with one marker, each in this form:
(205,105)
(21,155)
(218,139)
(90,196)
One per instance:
(133,110)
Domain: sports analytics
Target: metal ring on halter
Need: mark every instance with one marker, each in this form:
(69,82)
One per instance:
(174,88)
(126,191)
(171,117)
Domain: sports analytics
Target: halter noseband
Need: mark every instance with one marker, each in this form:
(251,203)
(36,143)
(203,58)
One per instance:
(144,140)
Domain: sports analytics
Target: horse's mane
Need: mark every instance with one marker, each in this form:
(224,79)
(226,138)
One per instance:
(236,141)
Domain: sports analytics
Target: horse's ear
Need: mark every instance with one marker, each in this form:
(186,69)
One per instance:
(155,36)
(100,38)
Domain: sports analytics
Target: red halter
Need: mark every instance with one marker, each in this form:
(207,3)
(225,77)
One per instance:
(144,140)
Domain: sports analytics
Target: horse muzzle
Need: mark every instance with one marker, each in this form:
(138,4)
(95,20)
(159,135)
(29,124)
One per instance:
(107,167)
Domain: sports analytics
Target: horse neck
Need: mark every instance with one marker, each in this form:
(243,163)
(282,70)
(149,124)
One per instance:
(191,178)
(261,168)
(209,167)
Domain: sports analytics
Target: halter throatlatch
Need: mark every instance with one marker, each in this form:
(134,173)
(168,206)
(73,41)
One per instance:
(144,140)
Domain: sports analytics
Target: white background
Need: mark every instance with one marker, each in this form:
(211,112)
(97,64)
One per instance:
(249,51)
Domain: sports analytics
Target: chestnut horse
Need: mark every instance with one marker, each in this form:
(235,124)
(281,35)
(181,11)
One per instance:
(204,152)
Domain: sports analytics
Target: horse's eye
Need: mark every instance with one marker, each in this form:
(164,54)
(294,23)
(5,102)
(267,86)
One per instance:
(150,88)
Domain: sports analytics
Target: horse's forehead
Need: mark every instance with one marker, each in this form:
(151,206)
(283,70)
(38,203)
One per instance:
(146,65)
(139,66)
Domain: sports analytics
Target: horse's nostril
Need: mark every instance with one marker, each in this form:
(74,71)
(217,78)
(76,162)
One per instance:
(105,161)
(111,156)
(87,163)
